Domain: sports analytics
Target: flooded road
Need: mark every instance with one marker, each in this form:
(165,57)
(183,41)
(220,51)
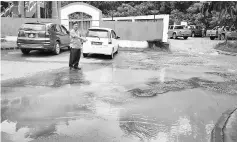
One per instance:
(139,96)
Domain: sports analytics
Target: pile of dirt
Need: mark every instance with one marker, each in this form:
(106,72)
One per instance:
(155,87)
(158,45)
(229,46)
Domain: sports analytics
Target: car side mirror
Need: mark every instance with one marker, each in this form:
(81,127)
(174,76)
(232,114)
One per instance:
(117,37)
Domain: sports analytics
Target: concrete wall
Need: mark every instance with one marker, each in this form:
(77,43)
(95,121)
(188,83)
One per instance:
(136,31)
(10,26)
(165,19)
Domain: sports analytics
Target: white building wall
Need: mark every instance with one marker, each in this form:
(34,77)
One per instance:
(95,13)
(165,19)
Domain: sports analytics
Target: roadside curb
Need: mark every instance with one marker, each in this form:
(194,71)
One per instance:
(218,133)
(8,39)
(131,49)
(10,48)
(226,53)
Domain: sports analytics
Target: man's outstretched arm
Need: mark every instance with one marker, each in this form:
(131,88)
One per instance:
(74,35)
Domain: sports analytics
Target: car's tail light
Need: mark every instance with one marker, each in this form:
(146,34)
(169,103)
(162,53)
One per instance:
(21,33)
(110,41)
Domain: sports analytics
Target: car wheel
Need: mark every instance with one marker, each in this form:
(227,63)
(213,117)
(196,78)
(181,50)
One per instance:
(185,37)
(174,36)
(112,55)
(222,37)
(85,55)
(193,34)
(57,48)
(116,52)
(212,38)
(25,51)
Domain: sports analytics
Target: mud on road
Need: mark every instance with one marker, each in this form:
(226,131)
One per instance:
(137,96)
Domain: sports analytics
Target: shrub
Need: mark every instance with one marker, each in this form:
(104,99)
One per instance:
(229,46)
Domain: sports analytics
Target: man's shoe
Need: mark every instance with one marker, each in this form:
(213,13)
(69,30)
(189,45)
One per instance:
(77,68)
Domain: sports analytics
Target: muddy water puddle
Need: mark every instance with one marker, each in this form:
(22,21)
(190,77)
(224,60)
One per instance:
(184,108)
(187,115)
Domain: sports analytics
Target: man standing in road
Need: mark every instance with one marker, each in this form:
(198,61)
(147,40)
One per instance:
(75,46)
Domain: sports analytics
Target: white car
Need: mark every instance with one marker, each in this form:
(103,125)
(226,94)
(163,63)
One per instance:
(100,41)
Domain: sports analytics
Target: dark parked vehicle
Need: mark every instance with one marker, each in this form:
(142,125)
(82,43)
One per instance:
(196,30)
(42,36)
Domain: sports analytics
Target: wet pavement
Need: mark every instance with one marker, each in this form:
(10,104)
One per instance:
(137,96)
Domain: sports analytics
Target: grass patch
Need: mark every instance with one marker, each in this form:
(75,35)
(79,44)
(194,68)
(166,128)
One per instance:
(229,46)
(158,45)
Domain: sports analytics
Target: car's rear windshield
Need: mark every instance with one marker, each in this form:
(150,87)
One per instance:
(97,33)
(178,27)
(34,27)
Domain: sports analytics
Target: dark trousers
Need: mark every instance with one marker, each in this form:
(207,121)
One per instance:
(75,55)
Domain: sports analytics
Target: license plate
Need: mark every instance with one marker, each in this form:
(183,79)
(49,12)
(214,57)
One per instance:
(96,43)
(31,46)
(31,35)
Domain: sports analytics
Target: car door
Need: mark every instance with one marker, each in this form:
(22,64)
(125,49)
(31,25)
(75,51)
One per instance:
(66,35)
(199,29)
(170,31)
(60,35)
(114,40)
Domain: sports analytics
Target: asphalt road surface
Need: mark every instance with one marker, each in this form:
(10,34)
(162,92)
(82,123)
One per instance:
(138,96)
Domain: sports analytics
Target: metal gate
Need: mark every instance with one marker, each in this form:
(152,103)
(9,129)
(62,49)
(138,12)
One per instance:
(83,25)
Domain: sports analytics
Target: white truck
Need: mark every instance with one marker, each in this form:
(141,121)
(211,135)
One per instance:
(176,31)
(217,32)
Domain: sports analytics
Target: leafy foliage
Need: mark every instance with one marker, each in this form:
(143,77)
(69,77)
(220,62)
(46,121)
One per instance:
(207,14)
(226,12)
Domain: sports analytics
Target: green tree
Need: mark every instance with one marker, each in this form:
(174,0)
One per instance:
(227,11)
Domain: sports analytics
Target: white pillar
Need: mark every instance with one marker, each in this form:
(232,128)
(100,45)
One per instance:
(21,8)
(165,28)
(54,10)
(38,10)
(59,7)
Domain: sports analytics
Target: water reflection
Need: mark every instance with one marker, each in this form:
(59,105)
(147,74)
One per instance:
(14,134)
(152,130)
(43,131)
(144,129)
(57,78)
(95,108)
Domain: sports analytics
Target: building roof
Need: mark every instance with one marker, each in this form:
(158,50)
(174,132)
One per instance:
(100,28)
(39,23)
